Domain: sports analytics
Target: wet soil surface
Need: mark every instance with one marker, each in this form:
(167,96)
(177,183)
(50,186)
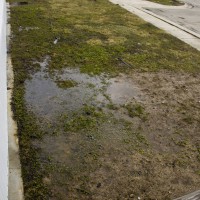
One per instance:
(133,136)
(21,3)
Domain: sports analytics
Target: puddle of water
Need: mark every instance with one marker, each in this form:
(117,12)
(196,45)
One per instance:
(76,155)
(44,64)
(80,159)
(122,90)
(27,28)
(46,98)
(22,3)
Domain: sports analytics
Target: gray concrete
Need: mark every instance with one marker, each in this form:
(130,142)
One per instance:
(144,10)
(192,196)
(3,106)
(188,17)
(15,184)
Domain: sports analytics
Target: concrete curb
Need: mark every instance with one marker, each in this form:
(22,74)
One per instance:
(15,184)
(3,106)
(191,196)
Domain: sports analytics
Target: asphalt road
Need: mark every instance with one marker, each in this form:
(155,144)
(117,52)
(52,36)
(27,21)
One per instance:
(187,16)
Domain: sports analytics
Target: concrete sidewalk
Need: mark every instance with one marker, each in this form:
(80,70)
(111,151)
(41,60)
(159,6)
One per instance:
(139,8)
(187,16)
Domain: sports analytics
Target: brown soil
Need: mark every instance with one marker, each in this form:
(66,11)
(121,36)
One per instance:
(156,157)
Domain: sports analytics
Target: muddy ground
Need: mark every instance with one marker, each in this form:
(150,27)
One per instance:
(107,105)
(131,136)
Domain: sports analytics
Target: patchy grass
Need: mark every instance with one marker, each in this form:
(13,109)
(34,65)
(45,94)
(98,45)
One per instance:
(65,84)
(28,131)
(95,41)
(89,119)
(97,37)
(136,110)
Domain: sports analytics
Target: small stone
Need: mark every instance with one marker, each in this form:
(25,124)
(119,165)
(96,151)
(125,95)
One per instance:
(138,198)
(131,195)
(46,180)
(90,137)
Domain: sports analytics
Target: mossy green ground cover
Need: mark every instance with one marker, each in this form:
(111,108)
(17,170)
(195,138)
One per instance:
(96,37)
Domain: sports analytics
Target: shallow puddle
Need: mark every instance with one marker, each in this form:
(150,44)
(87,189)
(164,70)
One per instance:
(48,94)
(45,96)
(22,3)
(27,28)
(122,90)
(81,139)
(96,143)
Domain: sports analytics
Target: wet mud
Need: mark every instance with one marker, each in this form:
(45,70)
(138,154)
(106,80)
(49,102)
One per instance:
(21,3)
(105,134)
(49,93)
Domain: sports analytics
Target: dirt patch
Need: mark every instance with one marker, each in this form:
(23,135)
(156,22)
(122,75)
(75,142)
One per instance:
(93,149)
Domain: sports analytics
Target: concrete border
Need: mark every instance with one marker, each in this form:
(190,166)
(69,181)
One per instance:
(191,196)
(15,184)
(186,35)
(3,106)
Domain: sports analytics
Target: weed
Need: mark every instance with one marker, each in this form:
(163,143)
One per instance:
(188,120)
(135,110)
(65,84)
(88,119)
(112,106)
